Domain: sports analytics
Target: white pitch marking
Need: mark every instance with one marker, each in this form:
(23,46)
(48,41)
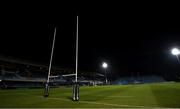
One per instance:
(107,104)
(117,96)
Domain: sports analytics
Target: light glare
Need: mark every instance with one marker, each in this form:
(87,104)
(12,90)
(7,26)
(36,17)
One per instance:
(104,65)
(175,51)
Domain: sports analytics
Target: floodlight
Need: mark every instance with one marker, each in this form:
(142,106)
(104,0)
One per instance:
(104,65)
(175,51)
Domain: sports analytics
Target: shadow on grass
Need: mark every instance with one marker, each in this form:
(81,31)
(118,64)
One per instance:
(69,97)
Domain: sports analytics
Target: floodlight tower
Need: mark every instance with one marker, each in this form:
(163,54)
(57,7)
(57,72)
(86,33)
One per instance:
(46,91)
(76,84)
(176,52)
(105,65)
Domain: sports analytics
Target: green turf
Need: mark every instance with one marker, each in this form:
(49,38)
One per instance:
(144,95)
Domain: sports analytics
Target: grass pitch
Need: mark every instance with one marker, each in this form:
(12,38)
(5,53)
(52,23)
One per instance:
(115,96)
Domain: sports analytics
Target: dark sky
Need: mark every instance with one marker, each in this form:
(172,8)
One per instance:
(130,37)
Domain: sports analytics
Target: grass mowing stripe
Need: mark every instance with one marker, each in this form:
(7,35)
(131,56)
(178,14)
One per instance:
(117,105)
(157,95)
(98,103)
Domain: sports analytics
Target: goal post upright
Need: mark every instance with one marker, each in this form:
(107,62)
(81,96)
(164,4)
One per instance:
(46,91)
(76,50)
(76,84)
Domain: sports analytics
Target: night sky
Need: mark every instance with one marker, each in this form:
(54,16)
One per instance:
(131,38)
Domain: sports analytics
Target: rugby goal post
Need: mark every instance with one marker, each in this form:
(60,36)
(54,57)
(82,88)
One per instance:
(75,96)
(46,90)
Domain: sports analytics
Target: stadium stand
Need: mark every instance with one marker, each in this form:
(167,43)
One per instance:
(140,79)
(15,74)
